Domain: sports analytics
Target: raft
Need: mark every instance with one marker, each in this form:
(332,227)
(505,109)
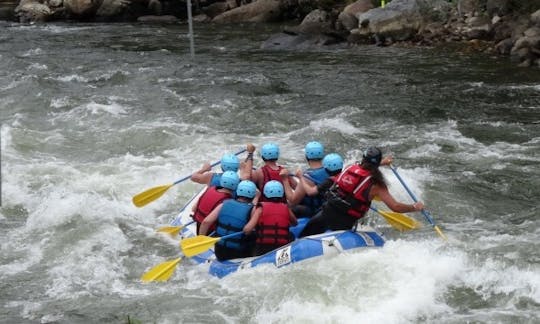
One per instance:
(323,245)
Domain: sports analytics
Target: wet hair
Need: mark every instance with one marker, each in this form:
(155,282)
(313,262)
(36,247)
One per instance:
(376,174)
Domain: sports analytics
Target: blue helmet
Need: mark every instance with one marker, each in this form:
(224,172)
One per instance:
(332,162)
(270,151)
(273,189)
(314,151)
(246,189)
(229,162)
(229,180)
(373,156)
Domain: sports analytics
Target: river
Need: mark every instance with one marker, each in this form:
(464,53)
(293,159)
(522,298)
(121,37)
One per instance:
(92,114)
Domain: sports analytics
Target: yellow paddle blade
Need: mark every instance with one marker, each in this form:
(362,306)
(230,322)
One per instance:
(399,221)
(161,272)
(196,245)
(171,230)
(376,198)
(440,232)
(150,195)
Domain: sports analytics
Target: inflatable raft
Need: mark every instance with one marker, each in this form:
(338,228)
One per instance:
(309,247)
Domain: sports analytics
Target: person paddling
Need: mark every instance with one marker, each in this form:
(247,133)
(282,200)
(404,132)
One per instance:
(213,196)
(305,205)
(270,170)
(349,198)
(271,219)
(231,216)
(229,162)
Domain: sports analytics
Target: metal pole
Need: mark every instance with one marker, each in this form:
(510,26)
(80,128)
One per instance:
(190,23)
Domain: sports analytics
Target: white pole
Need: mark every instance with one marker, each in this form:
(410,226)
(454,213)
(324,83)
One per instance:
(190,23)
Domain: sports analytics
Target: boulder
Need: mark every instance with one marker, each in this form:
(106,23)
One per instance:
(215,9)
(400,20)
(498,7)
(477,27)
(504,47)
(467,7)
(111,8)
(316,22)
(535,18)
(358,7)
(32,11)
(257,12)
(82,7)
(347,21)
(291,41)
(347,18)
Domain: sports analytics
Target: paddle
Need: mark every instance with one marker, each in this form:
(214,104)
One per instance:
(196,245)
(161,272)
(399,221)
(173,230)
(424,212)
(146,197)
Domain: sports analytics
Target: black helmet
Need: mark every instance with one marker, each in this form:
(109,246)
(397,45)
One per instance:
(373,156)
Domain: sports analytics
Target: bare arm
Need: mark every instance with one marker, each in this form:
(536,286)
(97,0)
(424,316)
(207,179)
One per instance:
(256,176)
(209,220)
(250,226)
(246,166)
(309,187)
(289,193)
(203,175)
(394,205)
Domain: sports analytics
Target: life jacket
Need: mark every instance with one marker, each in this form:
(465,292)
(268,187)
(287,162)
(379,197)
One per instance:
(232,217)
(273,224)
(350,191)
(208,201)
(317,176)
(268,175)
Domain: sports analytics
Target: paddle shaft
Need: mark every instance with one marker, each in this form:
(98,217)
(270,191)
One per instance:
(212,165)
(424,212)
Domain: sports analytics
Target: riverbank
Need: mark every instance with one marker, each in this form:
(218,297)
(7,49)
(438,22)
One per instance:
(502,27)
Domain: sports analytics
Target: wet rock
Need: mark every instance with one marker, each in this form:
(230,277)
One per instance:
(535,18)
(33,11)
(82,7)
(215,9)
(478,27)
(347,18)
(400,19)
(504,47)
(498,7)
(111,8)
(292,41)
(316,22)
(257,12)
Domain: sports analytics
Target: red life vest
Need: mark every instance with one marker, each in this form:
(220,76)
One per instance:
(269,174)
(208,201)
(353,185)
(273,224)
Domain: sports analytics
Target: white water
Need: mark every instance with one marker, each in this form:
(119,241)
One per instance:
(78,142)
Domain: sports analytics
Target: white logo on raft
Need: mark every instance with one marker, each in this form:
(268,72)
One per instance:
(283,256)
